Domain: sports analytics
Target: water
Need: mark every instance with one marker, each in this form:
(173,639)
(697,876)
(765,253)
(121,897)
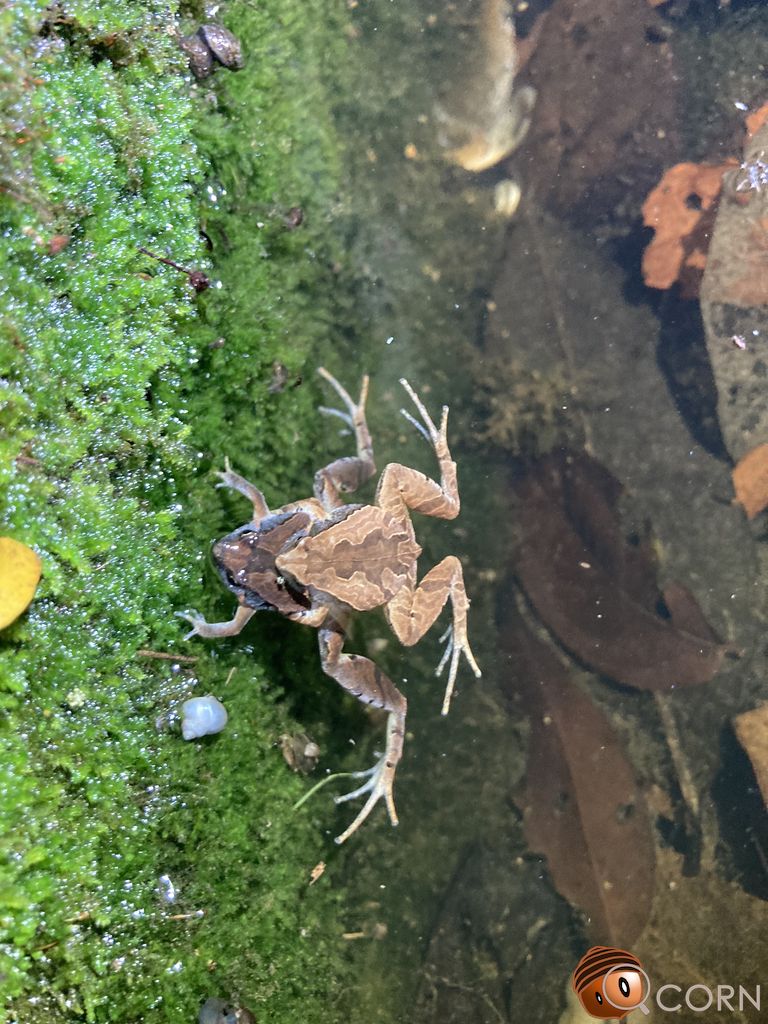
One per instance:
(590,788)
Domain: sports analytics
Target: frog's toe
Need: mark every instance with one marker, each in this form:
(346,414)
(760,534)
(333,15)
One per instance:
(195,619)
(436,437)
(452,654)
(380,784)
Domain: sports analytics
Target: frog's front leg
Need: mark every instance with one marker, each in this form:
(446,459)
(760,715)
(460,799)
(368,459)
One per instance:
(413,610)
(365,680)
(347,474)
(213,630)
(238,483)
(402,488)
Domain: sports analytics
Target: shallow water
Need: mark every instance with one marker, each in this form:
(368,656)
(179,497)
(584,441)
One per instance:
(590,788)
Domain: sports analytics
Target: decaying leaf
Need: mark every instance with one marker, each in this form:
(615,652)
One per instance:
(750,480)
(581,806)
(752,731)
(20,570)
(681,210)
(755,121)
(596,592)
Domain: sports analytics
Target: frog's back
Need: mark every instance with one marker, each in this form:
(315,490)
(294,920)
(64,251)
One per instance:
(362,559)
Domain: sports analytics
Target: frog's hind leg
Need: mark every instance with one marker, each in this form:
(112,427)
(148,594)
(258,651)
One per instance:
(412,611)
(364,680)
(347,474)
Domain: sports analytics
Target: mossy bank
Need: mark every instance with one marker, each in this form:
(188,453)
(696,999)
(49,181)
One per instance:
(141,874)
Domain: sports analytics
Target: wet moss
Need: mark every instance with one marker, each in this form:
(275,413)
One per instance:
(139,874)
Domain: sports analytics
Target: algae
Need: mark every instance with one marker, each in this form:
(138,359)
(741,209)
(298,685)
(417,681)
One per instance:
(140,875)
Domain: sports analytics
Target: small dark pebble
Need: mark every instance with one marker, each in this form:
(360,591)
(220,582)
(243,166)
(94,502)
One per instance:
(200,57)
(211,45)
(294,218)
(224,46)
(199,281)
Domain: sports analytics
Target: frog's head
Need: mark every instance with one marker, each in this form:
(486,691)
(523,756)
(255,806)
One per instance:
(245,561)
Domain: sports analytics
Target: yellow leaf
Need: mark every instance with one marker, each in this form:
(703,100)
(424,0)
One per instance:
(19,575)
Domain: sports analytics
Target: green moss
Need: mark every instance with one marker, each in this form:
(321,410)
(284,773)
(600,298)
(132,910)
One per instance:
(115,404)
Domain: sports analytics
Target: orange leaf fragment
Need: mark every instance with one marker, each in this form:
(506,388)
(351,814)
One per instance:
(752,732)
(20,570)
(756,120)
(750,480)
(681,211)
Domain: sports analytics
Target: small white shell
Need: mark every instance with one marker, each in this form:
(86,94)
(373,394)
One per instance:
(202,716)
(506,198)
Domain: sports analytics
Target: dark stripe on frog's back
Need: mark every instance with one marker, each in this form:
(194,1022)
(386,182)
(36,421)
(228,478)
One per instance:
(245,560)
(363,558)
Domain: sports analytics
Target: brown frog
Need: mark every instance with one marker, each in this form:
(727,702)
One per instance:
(318,560)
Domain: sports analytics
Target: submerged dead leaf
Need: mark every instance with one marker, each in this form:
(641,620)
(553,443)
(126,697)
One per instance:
(755,121)
(20,570)
(681,210)
(581,806)
(752,731)
(596,592)
(750,480)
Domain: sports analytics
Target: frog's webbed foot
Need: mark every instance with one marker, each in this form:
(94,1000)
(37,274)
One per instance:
(455,646)
(238,483)
(347,474)
(381,778)
(212,630)
(354,410)
(437,438)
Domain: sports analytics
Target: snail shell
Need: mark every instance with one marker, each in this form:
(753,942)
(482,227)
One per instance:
(216,1011)
(202,716)
(223,45)
(219,1011)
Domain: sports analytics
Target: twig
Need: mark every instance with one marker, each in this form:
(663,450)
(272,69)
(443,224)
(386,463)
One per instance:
(679,760)
(165,656)
(554,294)
(321,783)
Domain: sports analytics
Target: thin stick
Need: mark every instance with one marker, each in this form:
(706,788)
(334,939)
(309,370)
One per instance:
(162,259)
(164,656)
(322,782)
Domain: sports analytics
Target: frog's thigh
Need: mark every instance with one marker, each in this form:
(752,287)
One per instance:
(410,613)
(402,486)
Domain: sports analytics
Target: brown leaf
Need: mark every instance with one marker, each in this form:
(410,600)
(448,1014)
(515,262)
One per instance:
(750,480)
(595,591)
(581,806)
(755,121)
(681,210)
(752,731)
